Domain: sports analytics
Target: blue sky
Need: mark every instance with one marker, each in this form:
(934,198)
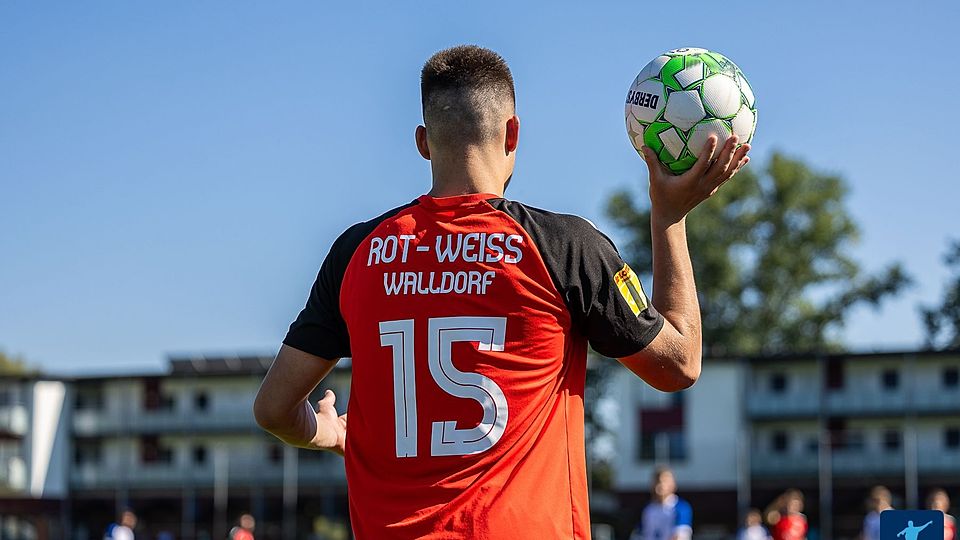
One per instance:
(172,174)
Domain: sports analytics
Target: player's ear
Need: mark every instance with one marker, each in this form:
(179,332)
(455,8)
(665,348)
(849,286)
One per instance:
(513,134)
(422,146)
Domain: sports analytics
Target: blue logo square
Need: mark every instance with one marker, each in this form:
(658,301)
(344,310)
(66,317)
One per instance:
(911,525)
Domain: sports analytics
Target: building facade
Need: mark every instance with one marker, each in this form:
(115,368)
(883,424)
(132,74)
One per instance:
(832,426)
(34,457)
(180,448)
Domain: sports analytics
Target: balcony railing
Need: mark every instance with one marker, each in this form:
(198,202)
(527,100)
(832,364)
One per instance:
(765,405)
(853,402)
(99,422)
(853,463)
(244,473)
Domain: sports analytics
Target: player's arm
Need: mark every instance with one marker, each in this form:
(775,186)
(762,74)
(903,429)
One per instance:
(672,360)
(282,407)
(311,348)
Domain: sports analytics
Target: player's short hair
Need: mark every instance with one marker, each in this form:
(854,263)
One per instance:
(466,91)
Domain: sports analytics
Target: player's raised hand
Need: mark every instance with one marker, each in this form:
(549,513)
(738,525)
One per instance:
(331,428)
(672,197)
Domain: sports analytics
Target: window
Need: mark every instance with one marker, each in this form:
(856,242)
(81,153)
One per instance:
(853,441)
(153,397)
(657,445)
(200,401)
(890,379)
(275,453)
(778,383)
(89,398)
(891,440)
(779,441)
(151,451)
(951,377)
(835,373)
(199,455)
(86,452)
(662,432)
(951,438)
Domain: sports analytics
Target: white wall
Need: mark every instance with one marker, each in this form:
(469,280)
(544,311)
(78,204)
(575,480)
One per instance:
(49,440)
(712,423)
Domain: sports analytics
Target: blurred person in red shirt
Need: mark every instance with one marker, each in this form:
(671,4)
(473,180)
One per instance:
(785,516)
(244,528)
(939,500)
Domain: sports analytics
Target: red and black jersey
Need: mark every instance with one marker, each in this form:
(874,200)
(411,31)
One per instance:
(467,319)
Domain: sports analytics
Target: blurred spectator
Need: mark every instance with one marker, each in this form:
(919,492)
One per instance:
(939,500)
(244,528)
(123,529)
(753,528)
(785,516)
(880,500)
(667,517)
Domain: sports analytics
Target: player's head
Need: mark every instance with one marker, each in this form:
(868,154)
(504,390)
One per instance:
(664,484)
(247,522)
(880,498)
(469,106)
(128,519)
(938,500)
(753,517)
(909,523)
(793,501)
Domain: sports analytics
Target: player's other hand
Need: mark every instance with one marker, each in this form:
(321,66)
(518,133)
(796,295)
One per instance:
(331,428)
(672,197)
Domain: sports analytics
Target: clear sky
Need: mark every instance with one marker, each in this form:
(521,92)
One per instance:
(173,173)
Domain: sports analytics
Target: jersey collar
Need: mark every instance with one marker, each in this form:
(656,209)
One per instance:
(470,199)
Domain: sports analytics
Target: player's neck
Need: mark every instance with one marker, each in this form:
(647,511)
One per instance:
(469,172)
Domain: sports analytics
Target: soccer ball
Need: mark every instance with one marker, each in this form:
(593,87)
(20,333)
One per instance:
(681,97)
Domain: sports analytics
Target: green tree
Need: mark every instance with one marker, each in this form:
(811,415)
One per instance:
(10,365)
(943,321)
(771,258)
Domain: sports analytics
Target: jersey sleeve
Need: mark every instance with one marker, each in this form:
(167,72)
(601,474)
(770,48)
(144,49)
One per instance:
(608,300)
(602,293)
(683,528)
(320,329)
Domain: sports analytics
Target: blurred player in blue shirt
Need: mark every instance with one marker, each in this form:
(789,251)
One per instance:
(667,517)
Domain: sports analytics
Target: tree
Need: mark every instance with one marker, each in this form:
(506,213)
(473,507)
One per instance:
(12,365)
(771,258)
(943,321)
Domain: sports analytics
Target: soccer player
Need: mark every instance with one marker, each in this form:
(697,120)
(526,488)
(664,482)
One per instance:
(467,317)
(939,500)
(667,517)
(880,500)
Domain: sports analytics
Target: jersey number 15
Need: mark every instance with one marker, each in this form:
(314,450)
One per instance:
(446,439)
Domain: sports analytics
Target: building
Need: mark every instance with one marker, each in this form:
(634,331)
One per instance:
(830,425)
(180,448)
(34,456)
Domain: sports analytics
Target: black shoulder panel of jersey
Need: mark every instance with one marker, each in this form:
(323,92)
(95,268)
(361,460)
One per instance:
(604,296)
(320,329)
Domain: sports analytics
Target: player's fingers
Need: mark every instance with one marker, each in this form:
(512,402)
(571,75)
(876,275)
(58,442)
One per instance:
(734,170)
(703,161)
(650,157)
(740,159)
(329,399)
(722,163)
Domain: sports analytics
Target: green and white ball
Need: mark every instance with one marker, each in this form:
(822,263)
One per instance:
(681,97)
